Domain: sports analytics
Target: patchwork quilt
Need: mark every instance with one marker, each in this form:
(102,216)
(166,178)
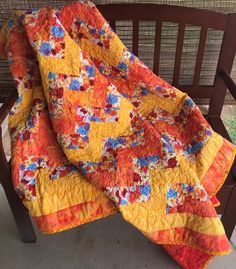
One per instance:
(94,132)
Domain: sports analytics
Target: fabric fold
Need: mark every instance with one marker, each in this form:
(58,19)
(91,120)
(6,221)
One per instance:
(94,131)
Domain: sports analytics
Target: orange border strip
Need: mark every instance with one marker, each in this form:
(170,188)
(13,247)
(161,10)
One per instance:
(219,169)
(74,216)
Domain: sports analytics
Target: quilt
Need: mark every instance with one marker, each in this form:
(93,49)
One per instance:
(94,132)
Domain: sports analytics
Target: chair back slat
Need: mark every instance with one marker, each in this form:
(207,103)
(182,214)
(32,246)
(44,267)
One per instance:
(157,48)
(135,39)
(179,48)
(199,58)
(113,25)
(198,92)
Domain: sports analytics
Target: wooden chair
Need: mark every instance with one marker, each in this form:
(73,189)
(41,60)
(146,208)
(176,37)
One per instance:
(216,93)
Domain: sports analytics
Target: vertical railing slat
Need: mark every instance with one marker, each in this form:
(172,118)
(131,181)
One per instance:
(135,37)
(200,55)
(178,54)
(157,48)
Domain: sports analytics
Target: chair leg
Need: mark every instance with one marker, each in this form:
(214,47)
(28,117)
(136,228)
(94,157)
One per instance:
(229,216)
(20,213)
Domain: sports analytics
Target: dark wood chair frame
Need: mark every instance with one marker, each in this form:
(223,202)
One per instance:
(216,93)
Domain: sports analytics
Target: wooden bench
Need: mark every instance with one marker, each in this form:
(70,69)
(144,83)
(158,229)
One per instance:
(216,92)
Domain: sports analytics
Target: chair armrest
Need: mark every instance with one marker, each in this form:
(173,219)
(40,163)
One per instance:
(7,105)
(228,82)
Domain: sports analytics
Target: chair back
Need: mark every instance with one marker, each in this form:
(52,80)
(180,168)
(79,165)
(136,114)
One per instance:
(205,20)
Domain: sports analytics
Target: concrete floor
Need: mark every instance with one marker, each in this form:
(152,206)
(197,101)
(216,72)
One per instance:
(104,244)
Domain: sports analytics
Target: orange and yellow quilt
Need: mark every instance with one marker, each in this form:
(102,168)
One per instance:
(94,131)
